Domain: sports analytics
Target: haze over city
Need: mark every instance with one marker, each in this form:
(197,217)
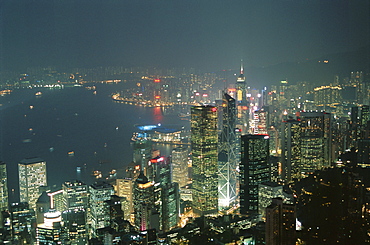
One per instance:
(207,35)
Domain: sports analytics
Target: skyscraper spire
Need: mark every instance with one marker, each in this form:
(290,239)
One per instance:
(241,67)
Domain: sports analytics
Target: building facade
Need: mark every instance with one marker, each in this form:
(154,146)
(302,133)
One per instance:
(254,170)
(32,175)
(204,143)
(228,153)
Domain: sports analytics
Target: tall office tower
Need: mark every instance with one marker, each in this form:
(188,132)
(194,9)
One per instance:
(170,210)
(315,141)
(280,223)
(159,170)
(269,190)
(204,140)
(143,202)
(23,222)
(228,154)
(254,170)
(356,81)
(75,195)
(364,120)
(261,121)
(179,162)
(242,103)
(142,152)
(354,127)
(50,232)
(32,175)
(124,188)
(3,187)
(75,226)
(97,218)
(113,207)
(290,150)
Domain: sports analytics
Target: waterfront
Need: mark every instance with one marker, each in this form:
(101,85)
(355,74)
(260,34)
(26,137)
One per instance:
(70,128)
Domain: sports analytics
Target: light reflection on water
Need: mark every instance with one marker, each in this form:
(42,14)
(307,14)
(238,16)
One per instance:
(95,128)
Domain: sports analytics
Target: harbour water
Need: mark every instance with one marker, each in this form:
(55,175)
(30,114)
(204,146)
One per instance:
(73,129)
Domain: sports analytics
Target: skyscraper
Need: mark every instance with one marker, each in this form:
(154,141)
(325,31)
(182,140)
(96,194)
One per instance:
(143,202)
(75,195)
(242,102)
(315,141)
(280,223)
(3,187)
(179,164)
(32,175)
(204,140)
(254,170)
(290,149)
(228,153)
(99,193)
(124,188)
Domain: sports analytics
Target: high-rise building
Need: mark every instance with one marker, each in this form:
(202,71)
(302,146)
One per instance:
(170,210)
(179,163)
(50,231)
(315,141)
(75,195)
(23,222)
(124,188)
(204,143)
(142,152)
(143,202)
(228,153)
(290,149)
(3,187)
(280,223)
(242,103)
(75,226)
(97,217)
(32,175)
(254,170)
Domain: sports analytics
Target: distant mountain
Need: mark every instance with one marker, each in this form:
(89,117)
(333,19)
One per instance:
(315,70)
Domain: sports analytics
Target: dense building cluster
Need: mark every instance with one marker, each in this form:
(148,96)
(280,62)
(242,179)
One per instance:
(275,166)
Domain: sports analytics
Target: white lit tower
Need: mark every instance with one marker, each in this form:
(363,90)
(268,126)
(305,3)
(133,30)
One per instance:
(32,175)
(228,154)
(3,187)
(242,102)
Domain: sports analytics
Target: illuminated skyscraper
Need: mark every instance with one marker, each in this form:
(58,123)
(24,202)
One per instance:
(315,141)
(143,202)
(204,140)
(254,170)
(179,164)
(32,175)
(242,102)
(75,195)
(23,222)
(124,188)
(228,153)
(290,149)
(3,187)
(97,217)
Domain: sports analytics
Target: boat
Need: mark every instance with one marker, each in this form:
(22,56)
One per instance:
(71,153)
(38,93)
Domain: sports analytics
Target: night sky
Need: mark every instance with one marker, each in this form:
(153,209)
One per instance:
(205,34)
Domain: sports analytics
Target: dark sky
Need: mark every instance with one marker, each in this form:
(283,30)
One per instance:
(205,34)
